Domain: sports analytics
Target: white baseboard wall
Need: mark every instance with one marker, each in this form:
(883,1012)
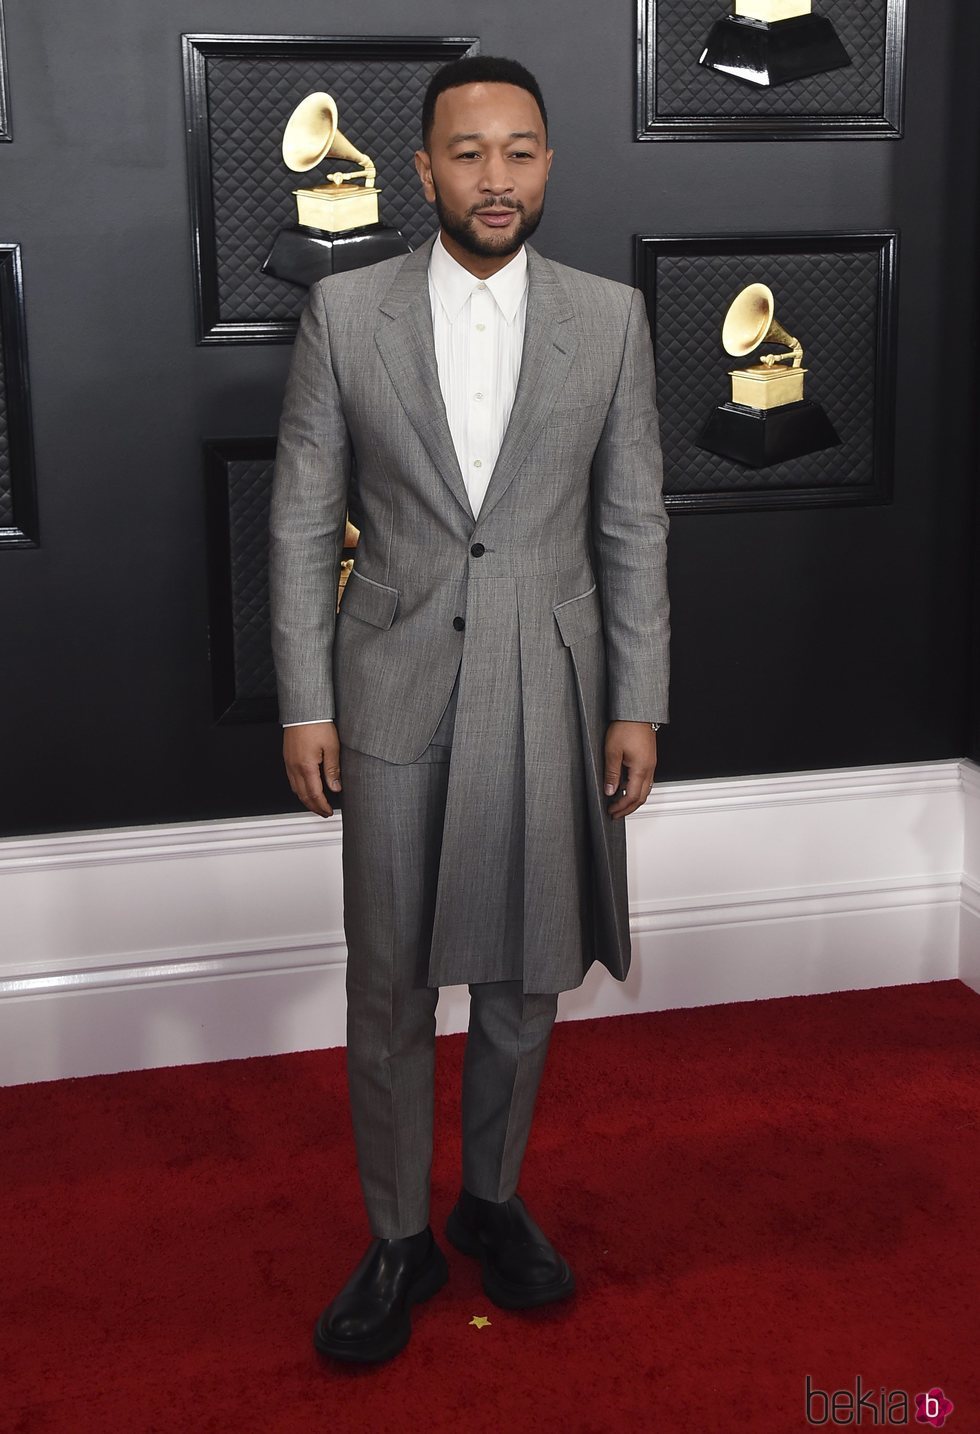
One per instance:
(165,945)
(970,901)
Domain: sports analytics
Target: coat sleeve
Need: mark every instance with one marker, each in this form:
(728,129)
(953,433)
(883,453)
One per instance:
(629,534)
(307,522)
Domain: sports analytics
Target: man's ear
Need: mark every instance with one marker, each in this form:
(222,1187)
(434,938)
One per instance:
(423,168)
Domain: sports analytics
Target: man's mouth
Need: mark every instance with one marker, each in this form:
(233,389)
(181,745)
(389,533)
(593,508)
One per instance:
(496,218)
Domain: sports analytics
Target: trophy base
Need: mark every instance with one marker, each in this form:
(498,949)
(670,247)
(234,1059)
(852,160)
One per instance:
(302,255)
(773,54)
(758,437)
(337,208)
(763,387)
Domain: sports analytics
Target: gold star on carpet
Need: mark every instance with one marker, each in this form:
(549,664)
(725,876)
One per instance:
(479,1321)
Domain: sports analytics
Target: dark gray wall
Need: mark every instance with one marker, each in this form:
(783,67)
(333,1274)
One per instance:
(801,639)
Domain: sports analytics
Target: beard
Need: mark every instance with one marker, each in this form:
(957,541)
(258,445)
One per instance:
(476,240)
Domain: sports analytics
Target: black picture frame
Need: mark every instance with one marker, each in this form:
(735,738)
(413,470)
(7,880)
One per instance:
(714,106)
(6,134)
(234,302)
(859,471)
(18,493)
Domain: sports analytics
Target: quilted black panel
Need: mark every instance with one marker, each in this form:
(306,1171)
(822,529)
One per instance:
(239,490)
(678,98)
(829,301)
(250,96)
(685,87)
(249,493)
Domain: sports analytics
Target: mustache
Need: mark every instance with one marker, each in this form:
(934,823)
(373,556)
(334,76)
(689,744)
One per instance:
(496,206)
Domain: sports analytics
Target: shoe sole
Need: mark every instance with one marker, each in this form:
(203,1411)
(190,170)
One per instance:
(507,1296)
(429,1280)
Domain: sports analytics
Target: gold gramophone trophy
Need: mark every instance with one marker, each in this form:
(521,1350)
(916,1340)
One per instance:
(770,42)
(351,536)
(338,224)
(768,419)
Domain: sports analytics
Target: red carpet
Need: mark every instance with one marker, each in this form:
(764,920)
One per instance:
(748,1194)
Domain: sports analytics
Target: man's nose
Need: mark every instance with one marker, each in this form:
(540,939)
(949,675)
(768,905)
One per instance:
(495,176)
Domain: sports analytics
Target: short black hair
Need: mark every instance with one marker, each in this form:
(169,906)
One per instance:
(478,69)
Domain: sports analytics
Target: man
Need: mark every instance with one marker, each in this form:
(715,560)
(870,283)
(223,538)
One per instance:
(500,657)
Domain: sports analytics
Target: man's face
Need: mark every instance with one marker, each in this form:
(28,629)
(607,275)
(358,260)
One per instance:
(486,158)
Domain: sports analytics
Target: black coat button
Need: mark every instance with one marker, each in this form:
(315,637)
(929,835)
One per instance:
(478,550)
(459,623)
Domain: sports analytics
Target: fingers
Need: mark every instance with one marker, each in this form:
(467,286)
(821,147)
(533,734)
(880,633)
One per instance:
(632,782)
(331,770)
(614,768)
(307,749)
(306,782)
(632,793)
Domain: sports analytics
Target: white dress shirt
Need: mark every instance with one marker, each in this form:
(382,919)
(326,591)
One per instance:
(478,331)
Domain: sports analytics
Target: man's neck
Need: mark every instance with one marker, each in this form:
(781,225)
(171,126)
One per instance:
(480,265)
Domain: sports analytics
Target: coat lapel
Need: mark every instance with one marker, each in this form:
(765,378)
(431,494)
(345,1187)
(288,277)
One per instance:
(405,342)
(550,341)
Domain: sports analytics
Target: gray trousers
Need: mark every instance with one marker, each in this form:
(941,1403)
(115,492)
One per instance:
(393,819)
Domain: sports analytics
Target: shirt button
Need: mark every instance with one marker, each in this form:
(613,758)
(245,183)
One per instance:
(478,395)
(477,462)
(481,327)
(481,286)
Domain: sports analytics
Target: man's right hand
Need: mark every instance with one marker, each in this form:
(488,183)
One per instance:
(304,748)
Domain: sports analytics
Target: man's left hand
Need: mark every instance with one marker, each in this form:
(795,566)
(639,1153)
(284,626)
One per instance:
(632,745)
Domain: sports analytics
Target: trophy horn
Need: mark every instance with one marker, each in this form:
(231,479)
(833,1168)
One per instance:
(311,134)
(750,322)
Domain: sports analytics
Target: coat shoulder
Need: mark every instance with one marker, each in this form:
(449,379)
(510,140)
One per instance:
(609,294)
(360,285)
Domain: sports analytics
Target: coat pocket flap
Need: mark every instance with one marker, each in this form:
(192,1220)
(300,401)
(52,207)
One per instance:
(579,616)
(370,601)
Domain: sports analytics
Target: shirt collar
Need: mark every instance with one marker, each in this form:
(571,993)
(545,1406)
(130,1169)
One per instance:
(454,284)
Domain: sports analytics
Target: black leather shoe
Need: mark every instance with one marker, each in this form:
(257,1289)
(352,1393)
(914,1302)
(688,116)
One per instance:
(520,1267)
(369,1320)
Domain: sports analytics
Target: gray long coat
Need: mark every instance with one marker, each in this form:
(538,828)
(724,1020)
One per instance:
(554,599)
